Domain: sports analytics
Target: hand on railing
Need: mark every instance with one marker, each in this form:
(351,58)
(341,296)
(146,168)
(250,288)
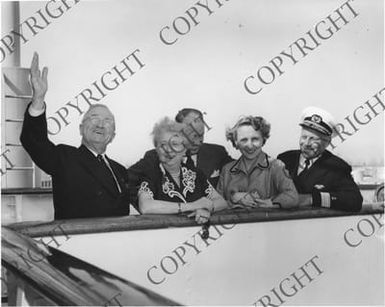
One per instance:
(201,215)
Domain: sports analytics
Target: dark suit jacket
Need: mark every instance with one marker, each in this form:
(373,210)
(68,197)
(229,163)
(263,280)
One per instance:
(329,174)
(81,186)
(210,160)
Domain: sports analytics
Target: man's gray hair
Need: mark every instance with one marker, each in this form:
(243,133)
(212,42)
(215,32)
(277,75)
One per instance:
(93,106)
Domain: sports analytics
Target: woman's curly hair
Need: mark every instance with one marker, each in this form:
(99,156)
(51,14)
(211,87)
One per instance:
(167,125)
(257,122)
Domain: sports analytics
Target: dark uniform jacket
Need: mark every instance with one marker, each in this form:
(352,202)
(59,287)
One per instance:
(328,178)
(81,186)
(210,160)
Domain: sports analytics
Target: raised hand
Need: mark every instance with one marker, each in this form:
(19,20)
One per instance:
(39,83)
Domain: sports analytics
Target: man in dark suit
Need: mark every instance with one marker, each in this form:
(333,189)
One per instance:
(321,178)
(209,158)
(86,183)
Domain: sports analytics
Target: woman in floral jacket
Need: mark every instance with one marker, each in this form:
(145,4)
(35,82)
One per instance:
(173,187)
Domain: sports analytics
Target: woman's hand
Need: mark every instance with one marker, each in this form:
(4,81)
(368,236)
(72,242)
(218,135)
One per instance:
(243,199)
(201,215)
(236,197)
(265,203)
(252,200)
(202,203)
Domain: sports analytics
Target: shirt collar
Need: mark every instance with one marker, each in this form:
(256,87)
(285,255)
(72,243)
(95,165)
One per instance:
(95,153)
(261,161)
(193,157)
(302,160)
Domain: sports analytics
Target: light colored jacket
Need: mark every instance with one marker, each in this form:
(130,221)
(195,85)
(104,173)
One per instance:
(267,176)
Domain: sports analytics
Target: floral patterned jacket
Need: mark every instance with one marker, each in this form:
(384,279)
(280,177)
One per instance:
(161,186)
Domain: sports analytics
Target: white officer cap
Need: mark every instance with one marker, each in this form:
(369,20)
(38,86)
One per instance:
(318,120)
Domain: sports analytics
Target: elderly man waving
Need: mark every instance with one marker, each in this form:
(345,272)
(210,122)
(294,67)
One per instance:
(86,183)
(321,178)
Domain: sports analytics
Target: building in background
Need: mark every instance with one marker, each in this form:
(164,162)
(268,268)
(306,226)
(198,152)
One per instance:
(17,168)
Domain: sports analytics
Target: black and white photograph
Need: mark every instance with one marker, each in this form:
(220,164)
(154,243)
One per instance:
(200,153)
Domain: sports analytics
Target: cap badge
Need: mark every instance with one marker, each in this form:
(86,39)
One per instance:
(316,118)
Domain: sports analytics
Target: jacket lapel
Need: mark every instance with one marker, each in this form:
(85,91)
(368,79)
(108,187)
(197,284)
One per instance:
(119,178)
(314,170)
(91,165)
(295,164)
(200,161)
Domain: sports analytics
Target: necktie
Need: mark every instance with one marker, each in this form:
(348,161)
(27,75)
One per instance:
(307,163)
(109,170)
(190,162)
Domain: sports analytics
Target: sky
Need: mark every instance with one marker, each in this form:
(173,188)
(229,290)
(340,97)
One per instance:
(206,67)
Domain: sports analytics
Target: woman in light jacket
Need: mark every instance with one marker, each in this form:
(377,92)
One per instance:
(255,179)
